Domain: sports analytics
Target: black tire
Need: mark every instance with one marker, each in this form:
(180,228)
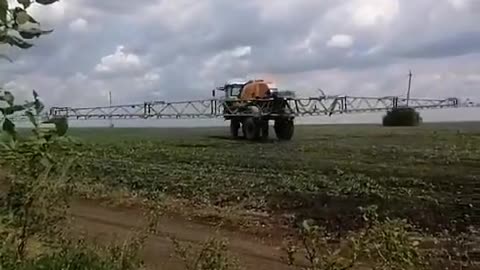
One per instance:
(234,127)
(284,129)
(264,130)
(251,129)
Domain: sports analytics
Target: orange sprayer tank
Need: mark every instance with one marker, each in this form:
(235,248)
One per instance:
(255,90)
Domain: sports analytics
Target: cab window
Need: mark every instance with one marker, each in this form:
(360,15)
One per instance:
(234,90)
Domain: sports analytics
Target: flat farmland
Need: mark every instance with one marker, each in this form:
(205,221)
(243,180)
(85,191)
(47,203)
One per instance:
(426,174)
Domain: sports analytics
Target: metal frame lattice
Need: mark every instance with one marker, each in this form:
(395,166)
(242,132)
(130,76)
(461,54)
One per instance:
(213,108)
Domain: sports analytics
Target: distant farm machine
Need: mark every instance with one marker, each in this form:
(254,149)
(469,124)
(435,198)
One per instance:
(250,105)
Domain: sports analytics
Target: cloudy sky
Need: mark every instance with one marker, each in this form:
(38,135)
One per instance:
(180,49)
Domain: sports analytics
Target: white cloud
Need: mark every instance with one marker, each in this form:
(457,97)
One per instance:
(52,14)
(366,13)
(118,62)
(188,13)
(79,25)
(21,91)
(180,49)
(462,4)
(235,60)
(340,41)
(277,10)
(241,51)
(151,77)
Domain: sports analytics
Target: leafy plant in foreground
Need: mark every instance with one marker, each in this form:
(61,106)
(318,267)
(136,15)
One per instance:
(79,255)
(211,255)
(379,245)
(319,252)
(38,190)
(34,208)
(17,26)
(388,245)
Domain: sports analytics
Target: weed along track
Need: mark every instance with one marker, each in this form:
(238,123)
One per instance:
(108,222)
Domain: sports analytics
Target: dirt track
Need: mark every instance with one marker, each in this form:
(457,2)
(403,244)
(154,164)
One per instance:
(97,220)
(109,223)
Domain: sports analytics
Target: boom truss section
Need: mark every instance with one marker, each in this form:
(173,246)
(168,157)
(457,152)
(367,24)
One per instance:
(213,108)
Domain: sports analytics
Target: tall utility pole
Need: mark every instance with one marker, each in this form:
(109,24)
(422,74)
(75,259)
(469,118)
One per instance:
(409,86)
(110,104)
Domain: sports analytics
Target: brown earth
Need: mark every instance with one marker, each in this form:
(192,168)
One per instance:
(253,252)
(108,223)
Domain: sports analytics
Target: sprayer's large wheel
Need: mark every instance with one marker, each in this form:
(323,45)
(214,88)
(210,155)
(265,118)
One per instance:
(284,129)
(234,127)
(264,130)
(251,129)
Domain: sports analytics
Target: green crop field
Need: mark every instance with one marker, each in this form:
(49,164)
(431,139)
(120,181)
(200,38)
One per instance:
(426,174)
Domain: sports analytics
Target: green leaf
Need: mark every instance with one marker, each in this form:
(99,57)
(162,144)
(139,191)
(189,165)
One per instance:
(45,162)
(24,3)
(3,36)
(306,226)
(31,117)
(3,11)
(7,140)
(8,97)
(38,106)
(15,41)
(22,17)
(17,108)
(33,33)
(29,104)
(12,109)
(9,127)
(27,35)
(46,2)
